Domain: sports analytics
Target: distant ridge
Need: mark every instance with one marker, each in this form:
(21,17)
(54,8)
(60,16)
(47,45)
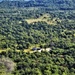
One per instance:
(53,4)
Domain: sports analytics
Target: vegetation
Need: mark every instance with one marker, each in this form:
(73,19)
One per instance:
(6,66)
(44,18)
(25,27)
(51,4)
(56,62)
(16,33)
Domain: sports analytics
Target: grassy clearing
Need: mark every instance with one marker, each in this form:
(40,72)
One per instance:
(2,50)
(25,50)
(45,18)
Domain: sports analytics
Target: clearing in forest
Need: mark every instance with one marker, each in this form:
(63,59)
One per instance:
(44,18)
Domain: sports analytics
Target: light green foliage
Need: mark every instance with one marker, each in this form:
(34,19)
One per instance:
(6,66)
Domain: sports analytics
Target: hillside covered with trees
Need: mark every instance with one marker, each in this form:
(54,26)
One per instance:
(37,24)
(50,4)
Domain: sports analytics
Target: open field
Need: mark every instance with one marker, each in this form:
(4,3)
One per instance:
(45,18)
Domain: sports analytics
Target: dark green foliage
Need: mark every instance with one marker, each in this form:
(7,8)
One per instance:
(17,34)
(52,4)
(44,63)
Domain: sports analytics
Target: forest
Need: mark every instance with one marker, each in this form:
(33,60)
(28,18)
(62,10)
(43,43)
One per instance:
(25,27)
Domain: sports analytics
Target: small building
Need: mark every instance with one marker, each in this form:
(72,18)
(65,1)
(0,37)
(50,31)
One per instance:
(36,49)
(40,49)
(48,49)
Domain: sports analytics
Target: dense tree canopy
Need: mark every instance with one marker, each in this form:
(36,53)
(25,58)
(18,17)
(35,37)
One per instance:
(53,29)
